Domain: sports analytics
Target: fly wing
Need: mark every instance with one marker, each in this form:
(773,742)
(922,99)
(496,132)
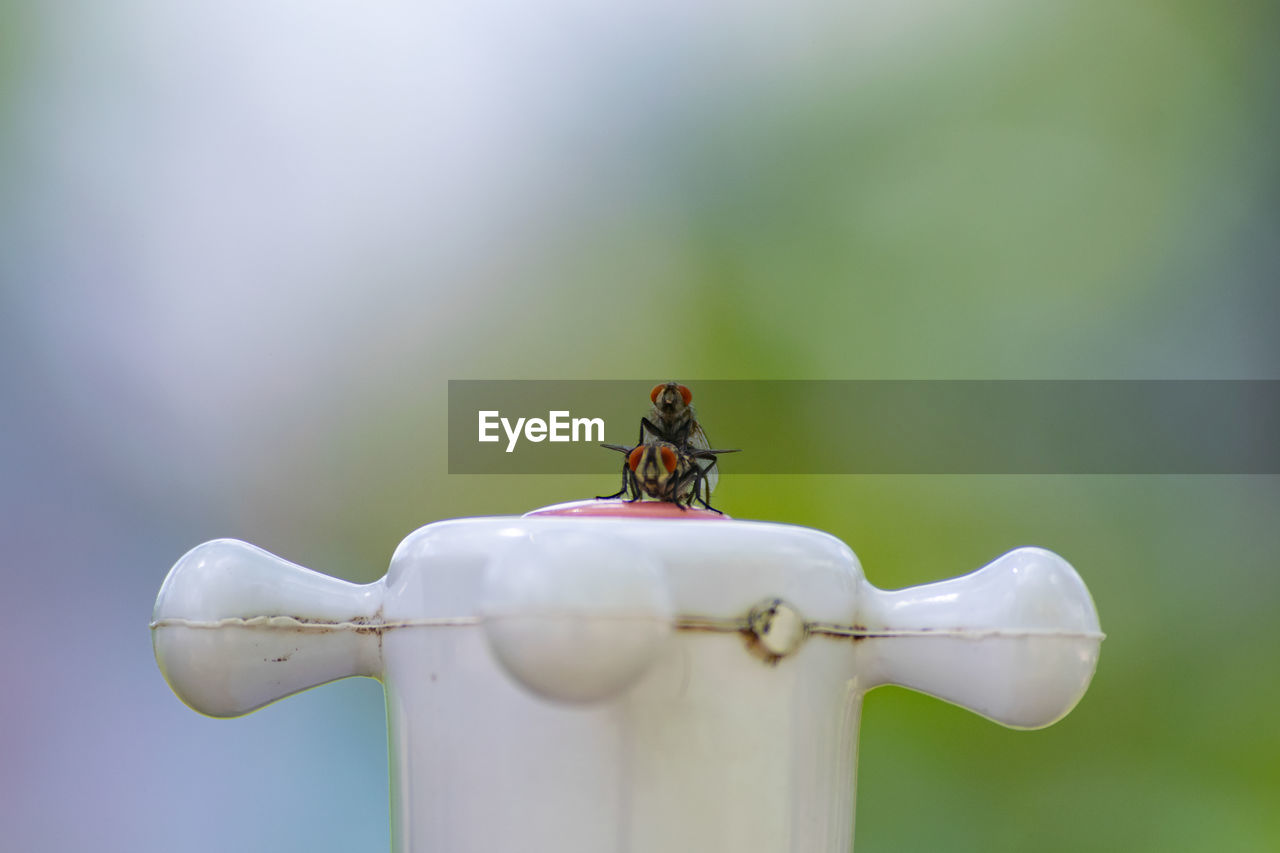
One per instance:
(698,441)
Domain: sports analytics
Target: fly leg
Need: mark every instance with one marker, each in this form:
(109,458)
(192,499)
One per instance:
(626,483)
(698,488)
(628,477)
(703,501)
(684,496)
(634,483)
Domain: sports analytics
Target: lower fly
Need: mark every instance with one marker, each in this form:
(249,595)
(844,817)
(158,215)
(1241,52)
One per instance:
(665,472)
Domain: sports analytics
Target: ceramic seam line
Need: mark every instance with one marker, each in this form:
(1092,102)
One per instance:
(680,623)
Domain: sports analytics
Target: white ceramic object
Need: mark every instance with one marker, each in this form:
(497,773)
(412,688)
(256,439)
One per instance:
(588,685)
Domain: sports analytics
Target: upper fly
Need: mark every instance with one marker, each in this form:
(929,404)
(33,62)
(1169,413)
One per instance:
(672,419)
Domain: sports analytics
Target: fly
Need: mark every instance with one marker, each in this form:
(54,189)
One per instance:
(672,419)
(665,472)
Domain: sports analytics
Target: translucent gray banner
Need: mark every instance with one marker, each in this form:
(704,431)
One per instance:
(882,427)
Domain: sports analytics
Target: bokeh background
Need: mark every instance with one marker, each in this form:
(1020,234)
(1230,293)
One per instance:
(244,245)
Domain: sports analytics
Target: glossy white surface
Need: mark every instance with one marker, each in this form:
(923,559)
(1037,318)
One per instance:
(1016,641)
(585,684)
(235,628)
(572,616)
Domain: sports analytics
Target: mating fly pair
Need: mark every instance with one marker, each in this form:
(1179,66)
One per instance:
(672,460)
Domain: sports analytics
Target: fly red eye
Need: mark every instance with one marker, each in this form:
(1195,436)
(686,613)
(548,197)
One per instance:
(633,458)
(653,395)
(669,459)
(685,394)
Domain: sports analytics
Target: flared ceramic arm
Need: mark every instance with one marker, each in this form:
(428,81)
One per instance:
(236,628)
(1016,641)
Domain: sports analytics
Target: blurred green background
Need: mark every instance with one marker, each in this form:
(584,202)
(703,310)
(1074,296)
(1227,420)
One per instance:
(243,248)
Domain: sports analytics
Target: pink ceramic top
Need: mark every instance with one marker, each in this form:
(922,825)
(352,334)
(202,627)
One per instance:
(627,509)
